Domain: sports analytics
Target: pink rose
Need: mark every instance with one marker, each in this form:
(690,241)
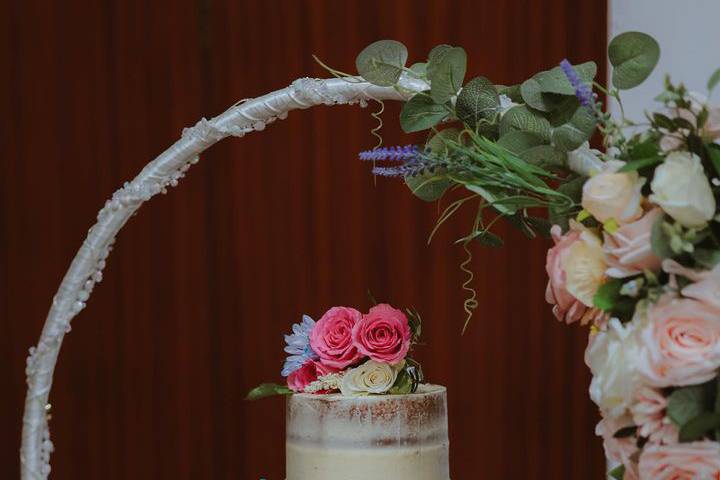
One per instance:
(682,461)
(308,373)
(383,334)
(706,288)
(332,339)
(680,345)
(629,250)
(565,306)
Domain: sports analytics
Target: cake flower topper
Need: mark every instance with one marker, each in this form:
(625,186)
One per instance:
(352,353)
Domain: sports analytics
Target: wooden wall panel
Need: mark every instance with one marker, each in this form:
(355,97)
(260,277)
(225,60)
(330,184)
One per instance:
(203,282)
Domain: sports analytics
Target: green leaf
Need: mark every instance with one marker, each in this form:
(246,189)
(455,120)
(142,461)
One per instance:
(446,72)
(415,323)
(428,186)
(617,473)
(573,189)
(478,100)
(403,384)
(268,390)
(699,426)
(645,149)
(663,121)
(713,80)
(577,131)
(555,81)
(512,92)
(489,239)
(533,95)
(518,142)
(659,240)
(420,113)
(706,258)
(419,68)
(714,154)
(545,156)
(641,163)
(381,63)
(686,403)
(609,299)
(523,119)
(633,56)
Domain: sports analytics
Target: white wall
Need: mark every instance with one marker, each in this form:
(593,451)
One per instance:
(689,35)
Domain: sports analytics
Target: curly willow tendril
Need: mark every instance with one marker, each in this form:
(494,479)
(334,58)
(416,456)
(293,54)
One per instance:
(376,131)
(470,303)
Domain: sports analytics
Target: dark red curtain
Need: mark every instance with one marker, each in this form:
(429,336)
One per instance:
(204,281)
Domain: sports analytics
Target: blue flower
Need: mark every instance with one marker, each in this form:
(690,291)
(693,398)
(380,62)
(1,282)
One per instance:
(298,346)
(582,90)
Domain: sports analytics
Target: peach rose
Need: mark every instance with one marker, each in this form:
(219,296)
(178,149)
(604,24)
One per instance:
(568,253)
(649,413)
(680,345)
(332,340)
(706,288)
(308,373)
(617,450)
(613,195)
(383,334)
(628,250)
(682,461)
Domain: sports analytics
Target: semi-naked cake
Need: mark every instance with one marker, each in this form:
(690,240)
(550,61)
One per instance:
(374,437)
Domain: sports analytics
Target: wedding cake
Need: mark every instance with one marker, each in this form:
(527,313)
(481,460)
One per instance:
(375,437)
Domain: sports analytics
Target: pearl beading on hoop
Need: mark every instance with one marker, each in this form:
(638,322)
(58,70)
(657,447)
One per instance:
(165,171)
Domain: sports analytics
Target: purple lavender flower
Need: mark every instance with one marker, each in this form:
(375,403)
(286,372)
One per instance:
(390,153)
(298,346)
(582,90)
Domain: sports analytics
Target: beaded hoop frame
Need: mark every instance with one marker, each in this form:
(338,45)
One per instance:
(165,171)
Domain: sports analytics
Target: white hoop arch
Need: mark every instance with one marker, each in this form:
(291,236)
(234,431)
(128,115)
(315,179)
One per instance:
(165,171)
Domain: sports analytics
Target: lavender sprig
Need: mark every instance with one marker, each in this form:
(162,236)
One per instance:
(395,154)
(582,91)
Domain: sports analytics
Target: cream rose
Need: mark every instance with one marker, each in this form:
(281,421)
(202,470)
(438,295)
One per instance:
(680,345)
(370,378)
(613,195)
(612,356)
(629,250)
(681,188)
(696,460)
(586,160)
(584,265)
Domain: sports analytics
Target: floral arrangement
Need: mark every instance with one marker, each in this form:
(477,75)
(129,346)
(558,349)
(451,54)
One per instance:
(352,353)
(635,226)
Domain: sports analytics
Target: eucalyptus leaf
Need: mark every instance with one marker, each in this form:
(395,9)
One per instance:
(478,100)
(446,72)
(640,163)
(518,142)
(659,240)
(420,113)
(699,426)
(633,55)
(428,186)
(545,156)
(419,68)
(381,62)
(533,95)
(713,80)
(686,403)
(523,119)
(268,390)
(577,131)
(555,80)
(617,473)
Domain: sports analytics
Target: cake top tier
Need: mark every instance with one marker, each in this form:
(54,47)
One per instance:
(369,421)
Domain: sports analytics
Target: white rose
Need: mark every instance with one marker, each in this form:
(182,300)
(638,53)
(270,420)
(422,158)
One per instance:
(681,188)
(370,377)
(585,160)
(613,195)
(584,266)
(612,356)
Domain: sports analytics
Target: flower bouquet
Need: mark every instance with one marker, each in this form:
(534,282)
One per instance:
(352,353)
(635,226)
